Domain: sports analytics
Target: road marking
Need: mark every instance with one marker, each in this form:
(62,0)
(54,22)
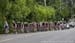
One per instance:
(16,37)
(6,40)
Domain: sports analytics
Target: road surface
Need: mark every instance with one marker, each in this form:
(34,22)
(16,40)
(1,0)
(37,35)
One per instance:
(61,36)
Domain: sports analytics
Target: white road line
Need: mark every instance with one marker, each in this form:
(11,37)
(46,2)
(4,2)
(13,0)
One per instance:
(6,40)
(15,38)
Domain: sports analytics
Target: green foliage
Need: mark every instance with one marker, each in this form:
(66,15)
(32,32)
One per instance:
(19,9)
(35,10)
(65,12)
(43,12)
(1,24)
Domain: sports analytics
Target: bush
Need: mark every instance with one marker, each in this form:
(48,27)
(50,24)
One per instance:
(1,26)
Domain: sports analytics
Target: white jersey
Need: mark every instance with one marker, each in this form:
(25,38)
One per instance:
(6,26)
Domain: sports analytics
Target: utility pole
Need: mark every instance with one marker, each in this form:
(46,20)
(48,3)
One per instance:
(71,8)
(45,6)
(45,2)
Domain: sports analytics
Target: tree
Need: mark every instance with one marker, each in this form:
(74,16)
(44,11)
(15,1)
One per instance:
(19,9)
(43,12)
(4,8)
